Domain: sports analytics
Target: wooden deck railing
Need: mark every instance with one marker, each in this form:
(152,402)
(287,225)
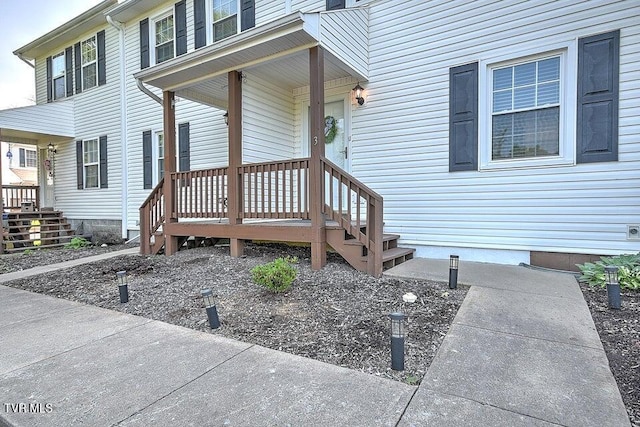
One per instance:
(356,208)
(200,193)
(14,195)
(151,216)
(275,189)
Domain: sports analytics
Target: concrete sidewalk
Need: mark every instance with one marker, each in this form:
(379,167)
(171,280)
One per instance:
(522,350)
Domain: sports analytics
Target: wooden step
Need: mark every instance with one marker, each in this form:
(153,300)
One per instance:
(395,256)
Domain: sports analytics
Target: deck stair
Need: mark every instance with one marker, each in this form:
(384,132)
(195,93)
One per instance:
(32,230)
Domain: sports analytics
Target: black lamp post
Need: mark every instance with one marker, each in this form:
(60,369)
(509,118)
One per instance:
(454,260)
(397,341)
(123,286)
(613,286)
(210,305)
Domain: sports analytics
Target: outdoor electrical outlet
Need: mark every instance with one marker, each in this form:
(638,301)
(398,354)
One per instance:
(633,232)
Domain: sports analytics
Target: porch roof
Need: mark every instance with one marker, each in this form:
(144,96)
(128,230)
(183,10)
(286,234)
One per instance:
(53,122)
(277,51)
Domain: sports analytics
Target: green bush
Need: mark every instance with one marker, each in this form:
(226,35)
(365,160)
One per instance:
(277,275)
(628,271)
(77,243)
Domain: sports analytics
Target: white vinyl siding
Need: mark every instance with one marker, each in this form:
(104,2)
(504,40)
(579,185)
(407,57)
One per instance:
(400,136)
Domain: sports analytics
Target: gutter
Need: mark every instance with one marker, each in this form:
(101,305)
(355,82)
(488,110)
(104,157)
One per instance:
(123,129)
(26,61)
(147,92)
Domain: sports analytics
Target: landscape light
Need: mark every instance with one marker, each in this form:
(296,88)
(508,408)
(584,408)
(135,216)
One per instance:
(397,341)
(212,311)
(613,286)
(454,260)
(123,286)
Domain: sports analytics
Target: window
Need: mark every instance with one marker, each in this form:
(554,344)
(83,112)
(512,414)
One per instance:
(89,54)
(225,19)
(159,156)
(91,163)
(530,111)
(164,38)
(28,158)
(58,75)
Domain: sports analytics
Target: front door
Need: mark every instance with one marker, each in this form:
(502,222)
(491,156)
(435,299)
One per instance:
(46,176)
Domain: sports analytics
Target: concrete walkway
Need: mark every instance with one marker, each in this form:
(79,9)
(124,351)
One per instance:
(523,350)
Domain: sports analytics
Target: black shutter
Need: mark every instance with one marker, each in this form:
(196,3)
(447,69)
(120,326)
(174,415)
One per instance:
(68,69)
(22,156)
(147,160)
(335,4)
(597,118)
(103,162)
(463,118)
(199,23)
(181,27)
(78,61)
(49,82)
(184,155)
(248,14)
(102,56)
(79,165)
(144,43)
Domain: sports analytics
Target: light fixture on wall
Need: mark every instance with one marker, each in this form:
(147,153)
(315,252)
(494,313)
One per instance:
(51,149)
(226,118)
(358,91)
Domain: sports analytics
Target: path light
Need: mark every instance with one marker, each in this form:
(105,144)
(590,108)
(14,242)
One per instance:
(210,305)
(454,260)
(397,341)
(613,286)
(123,286)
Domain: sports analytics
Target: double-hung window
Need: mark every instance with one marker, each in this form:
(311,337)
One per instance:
(28,158)
(159,156)
(164,46)
(89,54)
(225,18)
(58,75)
(91,163)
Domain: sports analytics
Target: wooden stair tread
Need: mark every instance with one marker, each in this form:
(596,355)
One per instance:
(390,254)
(385,238)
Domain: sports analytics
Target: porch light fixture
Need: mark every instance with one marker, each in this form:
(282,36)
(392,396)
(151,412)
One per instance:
(9,154)
(51,149)
(123,286)
(226,118)
(454,260)
(210,305)
(613,286)
(358,90)
(397,341)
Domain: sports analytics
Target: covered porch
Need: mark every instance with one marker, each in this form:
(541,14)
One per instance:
(292,199)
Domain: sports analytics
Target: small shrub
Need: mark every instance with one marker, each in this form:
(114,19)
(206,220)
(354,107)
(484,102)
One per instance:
(277,275)
(28,252)
(628,271)
(78,243)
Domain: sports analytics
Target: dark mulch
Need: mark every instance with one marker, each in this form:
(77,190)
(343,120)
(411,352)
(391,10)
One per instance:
(336,315)
(620,334)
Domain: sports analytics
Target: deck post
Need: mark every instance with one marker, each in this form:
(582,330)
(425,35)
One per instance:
(169,118)
(235,193)
(316,182)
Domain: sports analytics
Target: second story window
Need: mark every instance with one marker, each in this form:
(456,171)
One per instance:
(164,37)
(225,19)
(58,75)
(89,63)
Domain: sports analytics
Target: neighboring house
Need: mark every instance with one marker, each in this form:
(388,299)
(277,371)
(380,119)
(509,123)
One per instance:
(19,164)
(501,131)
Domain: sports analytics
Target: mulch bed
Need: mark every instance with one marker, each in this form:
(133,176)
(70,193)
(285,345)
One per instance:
(336,315)
(620,334)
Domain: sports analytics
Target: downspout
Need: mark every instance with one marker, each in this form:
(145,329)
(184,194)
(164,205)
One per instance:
(123,129)
(26,61)
(147,92)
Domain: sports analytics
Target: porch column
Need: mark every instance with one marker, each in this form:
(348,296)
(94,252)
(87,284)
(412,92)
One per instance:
(235,194)
(316,118)
(169,118)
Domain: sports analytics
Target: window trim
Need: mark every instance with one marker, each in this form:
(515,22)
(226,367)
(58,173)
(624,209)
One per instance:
(94,62)
(567,52)
(155,150)
(85,164)
(152,35)
(62,76)
(26,165)
(209,20)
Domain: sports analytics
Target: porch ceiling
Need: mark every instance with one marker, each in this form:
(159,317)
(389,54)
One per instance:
(277,51)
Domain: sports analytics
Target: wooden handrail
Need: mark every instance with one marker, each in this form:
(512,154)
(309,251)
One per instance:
(365,224)
(151,216)
(277,189)
(14,195)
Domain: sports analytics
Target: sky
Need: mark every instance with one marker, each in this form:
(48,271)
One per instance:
(21,22)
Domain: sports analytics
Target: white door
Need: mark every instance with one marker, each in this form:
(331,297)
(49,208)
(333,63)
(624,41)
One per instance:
(47,171)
